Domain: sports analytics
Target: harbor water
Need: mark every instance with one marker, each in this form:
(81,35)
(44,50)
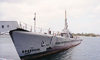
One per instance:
(89,49)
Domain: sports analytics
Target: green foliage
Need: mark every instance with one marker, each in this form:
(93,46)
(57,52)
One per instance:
(85,34)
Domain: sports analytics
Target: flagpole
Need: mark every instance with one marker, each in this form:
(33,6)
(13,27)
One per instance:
(35,22)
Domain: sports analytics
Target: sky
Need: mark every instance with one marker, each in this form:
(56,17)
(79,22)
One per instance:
(83,16)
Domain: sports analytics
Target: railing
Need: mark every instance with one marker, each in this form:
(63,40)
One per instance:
(38,29)
(31,28)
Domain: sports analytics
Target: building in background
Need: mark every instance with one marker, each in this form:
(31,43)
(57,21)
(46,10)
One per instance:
(6,26)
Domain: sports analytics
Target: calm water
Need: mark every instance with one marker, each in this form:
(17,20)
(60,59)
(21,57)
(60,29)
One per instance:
(89,49)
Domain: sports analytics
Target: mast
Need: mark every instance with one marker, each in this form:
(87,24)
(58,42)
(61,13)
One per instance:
(66,26)
(35,22)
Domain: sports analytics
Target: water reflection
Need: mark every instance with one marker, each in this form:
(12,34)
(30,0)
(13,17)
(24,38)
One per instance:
(66,55)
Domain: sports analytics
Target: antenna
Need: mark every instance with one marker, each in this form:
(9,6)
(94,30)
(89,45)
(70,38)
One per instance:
(66,26)
(35,22)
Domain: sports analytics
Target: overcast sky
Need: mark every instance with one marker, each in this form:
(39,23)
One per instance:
(82,15)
